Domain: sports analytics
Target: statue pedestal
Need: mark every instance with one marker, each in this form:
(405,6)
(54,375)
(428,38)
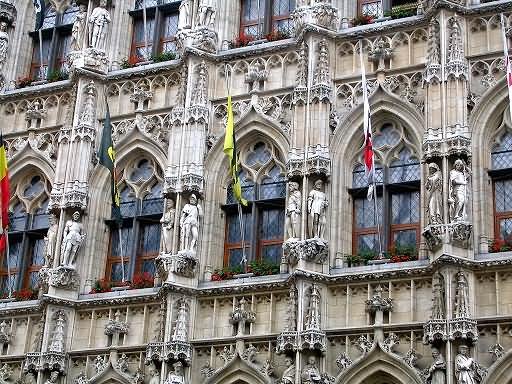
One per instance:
(92,59)
(310,250)
(321,14)
(183,264)
(201,38)
(61,281)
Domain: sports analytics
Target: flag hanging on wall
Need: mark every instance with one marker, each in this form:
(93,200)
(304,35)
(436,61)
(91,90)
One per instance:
(107,158)
(40,7)
(4,195)
(230,151)
(508,61)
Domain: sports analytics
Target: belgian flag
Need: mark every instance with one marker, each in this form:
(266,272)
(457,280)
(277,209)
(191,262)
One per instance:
(230,151)
(107,158)
(40,8)
(4,195)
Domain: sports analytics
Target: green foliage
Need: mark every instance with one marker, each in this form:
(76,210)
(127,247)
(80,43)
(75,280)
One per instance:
(163,56)
(57,75)
(263,268)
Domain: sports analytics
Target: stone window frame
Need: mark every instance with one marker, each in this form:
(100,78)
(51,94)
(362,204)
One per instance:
(385,5)
(267,18)
(138,212)
(27,229)
(158,11)
(56,31)
(385,156)
(253,177)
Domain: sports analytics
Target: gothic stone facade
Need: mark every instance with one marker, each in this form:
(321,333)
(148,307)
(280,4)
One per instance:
(435,306)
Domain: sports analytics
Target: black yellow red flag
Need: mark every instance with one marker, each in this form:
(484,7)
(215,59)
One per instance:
(4,195)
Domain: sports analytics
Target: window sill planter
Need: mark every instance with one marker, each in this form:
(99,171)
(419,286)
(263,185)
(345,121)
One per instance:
(499,245)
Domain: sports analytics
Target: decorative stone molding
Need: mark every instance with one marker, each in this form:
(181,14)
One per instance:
(316,162)
(256,76)
(390,342)
(321,13)
(463,328)
(363,344)
(140,96)
(116,326)
(192,179)
(5,333)
(72,195)
(380,52)
(343,361)
(496,351)
(321,90)
(169,351)
(312,337)
(432,72)
(411,358)
(241,316)
(300,93)
(35,114)
(456,65)
(90,58)
(287,341)
(314,250)
(379,304)
(435,330)
(7,12)
(183,264)
(60,277)
(45,361)
(458,233)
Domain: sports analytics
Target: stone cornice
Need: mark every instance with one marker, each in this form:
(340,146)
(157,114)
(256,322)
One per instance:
(144,70)
(36,90)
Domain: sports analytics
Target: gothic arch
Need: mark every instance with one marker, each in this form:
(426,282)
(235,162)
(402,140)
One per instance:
(30,159)
(378,364)
(501,371)
(137,144)
(238,371)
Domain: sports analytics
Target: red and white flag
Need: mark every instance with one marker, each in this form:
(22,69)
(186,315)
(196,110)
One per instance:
(369,161)
(508,61)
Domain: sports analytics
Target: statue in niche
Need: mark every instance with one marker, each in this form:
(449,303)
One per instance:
(434,187)
(189,224)
(310,373)
(317,207)
(293,210)
(77,32)
(154,374)
(436,372)
(437,296)
(4,44)
(291,316)
(205,15)
(72,239)
(466,369)
(176,376)
(98,26)
(89,112)
(458,195)
(289,373)
(50,240)
(461,296)
(184,14)
(57,344)
(54,377)
(167,221)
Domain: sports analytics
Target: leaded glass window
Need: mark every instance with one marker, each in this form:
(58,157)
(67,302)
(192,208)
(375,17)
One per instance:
(161,29)
(397,182)
(141,209)
(264,186)
(501,161)
(266,18)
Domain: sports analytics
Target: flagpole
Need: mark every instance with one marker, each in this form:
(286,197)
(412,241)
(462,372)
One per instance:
(144,17)
(123,279)
(508,75)
(41,65)
(367,128)
(7,255)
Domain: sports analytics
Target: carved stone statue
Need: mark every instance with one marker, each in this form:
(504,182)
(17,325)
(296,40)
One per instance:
(434,187)
(185,12)
(4,43)
(54,377)
(289,373)
(205,15)
(78,30)
(465,367)
(458,194)
(57,343)
(438,306)
(291,315)
(293,210)
(461,296)
(436,372)
(154,374)
(98,26)
(177,375)
(167,221)
(317,206)
(313,311)
(50,241)
(72,239)
(189,224)
(310,373)
(180,329)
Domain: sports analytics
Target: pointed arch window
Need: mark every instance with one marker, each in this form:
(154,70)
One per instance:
(396,211)
(141,209)
(56,40)
(501,174)
(264,187)
(28,224)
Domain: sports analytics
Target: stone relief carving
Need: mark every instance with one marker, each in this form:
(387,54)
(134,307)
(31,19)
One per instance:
(458,195)
(461,308)
(288,376)
(268,368)
(180,332)
(438,292)
(312,337)
(467,370)
(5,333)
(177,375)
(380,52)
(291,316)
(411,358)
(310,373)
(115,326)
(496,351)
(300,91)
(343,361)
(462,325)
(58,334)
(250,353)
(433,70)
(73,237)
(390,342)
(313,311)
(241,316)
(317,207)
(185,12)
(436,373)
(98,26)
(205,15)
(79,28)
(6,373)
(293,211)
(456,65)
(256,76)
(191,215)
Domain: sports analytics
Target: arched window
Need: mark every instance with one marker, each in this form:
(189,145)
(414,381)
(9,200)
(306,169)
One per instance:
(396,210)
(263,185)
(28,224)
(501,174)
(56,40)
(141,209)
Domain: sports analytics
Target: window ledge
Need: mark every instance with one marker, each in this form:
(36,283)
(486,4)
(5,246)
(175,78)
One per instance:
(380,267)
(118,293)
(40,88)
(8,304)
(381,24)
(269,45)
(240,281)
(494,256)
(141,69)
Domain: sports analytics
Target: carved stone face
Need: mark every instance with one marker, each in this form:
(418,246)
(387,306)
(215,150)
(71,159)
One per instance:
(288,362)
(52,219)
(76,216)
(3,26)
(312,359)
(459,165)
(293,186)
(83,8)
(319,185)
(103,3)
(435,353)
(193,199)
(463,350)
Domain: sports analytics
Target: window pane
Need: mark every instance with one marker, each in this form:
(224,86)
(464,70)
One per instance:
(272,190)
(283,7)
(18,219)
(233,229)
(235,256)
(139,4)
(368,242)
(406,168)
(36,62)
(70,15)
(501,157)
(259,154)
(40,221)
(128,202)
(252,10)
(126,244)
(405,238)
(152,206)
(117,272)
(364,212)
(272,253)
(4,286)
(37,252)
(169,31)
(148,266)
(33,279)
(388,136)
(64,48)
(15,253)
(506,229)
(503,195)
(373,8)
(149,239)
(49,18)
(139,41)
(405,208)
(272,224)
